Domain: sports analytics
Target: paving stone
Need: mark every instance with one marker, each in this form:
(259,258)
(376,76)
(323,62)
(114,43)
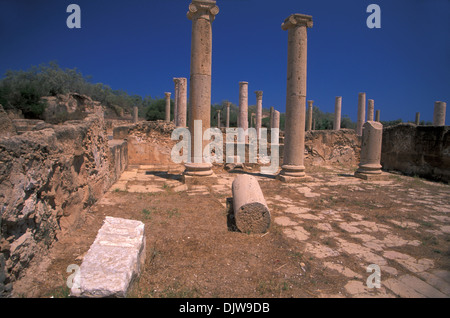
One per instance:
(347,272)
(297,233)
(113,261)
(358,290)
(284,221)
(442,274)
(320,251)
(401,289)
(409,262)
(436,281)
(297,210)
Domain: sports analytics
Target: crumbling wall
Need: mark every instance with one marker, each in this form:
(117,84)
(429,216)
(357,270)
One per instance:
(417,150)
(332,146)
(148,142)
(48,179)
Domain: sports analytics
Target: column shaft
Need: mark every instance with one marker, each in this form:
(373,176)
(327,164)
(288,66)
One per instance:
(296,25)
(337,113)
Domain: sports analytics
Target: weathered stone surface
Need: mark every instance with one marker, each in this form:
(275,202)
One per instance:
(48,178)
(361,116)
(370,149)
(113,261)
(297,25)
(417,150)
(6,126)
(202,14)
(439,113)
(337,113)
(329,146)
(71,106)
(250,208)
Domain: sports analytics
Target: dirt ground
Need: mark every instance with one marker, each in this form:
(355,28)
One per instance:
(323,235)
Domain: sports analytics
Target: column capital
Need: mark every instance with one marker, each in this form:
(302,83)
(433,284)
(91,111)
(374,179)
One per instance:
(310,102)
(167,94)
(228,104)
(259,94)
(296,20)
(206,9)
(243,83)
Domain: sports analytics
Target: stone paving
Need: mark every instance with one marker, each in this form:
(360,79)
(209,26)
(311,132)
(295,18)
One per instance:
(350,235)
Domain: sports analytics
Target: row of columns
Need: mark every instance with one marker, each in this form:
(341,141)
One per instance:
(202,14)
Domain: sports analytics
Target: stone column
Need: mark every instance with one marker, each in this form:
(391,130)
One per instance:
(271,116)
(251,213)
(370,150)
(276,119)
(175,106)
(377,115)
(182,102)
(259,95)
(361,113)
(417,119)
(337,113)
(294,144)
(310,115)
(370,109)
(135,115)
(228,115)
(243,107)
(439,113)
(202,14)
(218,118)
(167,107)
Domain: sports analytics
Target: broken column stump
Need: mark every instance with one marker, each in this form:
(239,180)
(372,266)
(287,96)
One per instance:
(251,213)
(113,261)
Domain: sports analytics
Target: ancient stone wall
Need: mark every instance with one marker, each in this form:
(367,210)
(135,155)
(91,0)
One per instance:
(417,150)
(148,142)
(48,179)
(332,146)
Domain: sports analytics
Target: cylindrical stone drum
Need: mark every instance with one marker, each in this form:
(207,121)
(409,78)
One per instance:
(250,208)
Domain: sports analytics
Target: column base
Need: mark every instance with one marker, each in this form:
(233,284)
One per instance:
(371,176)
(293,173)
(289,179)
(198,173)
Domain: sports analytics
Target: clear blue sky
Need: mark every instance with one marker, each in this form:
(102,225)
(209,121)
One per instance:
(139,46)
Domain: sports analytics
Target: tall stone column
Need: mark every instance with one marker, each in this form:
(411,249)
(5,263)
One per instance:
(293,168)
(361,113)
(276,119)
(218,118)
(175,106)
(337,113)
(370,109)
(439,113)
(417,118)
(228,115)
(135,115)
(271,116)
(202,14)
(310,115)
(243,109)
(377,115)
(182,102)
(259,95)
(167,119)
(369,165)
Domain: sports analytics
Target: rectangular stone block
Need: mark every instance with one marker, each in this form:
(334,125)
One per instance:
(113,261)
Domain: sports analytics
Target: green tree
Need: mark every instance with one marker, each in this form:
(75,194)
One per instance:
(156,109)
